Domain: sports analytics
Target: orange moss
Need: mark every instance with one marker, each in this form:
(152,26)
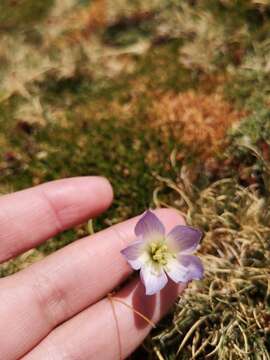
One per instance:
(199,120)
(97,17)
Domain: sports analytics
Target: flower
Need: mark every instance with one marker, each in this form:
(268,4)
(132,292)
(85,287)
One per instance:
(159,256)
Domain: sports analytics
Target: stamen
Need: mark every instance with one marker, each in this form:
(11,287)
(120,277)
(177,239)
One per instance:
(159,253)
(154,247)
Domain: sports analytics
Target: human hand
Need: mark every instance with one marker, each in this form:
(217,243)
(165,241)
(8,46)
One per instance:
(58,308)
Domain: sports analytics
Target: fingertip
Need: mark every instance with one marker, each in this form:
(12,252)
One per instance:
(106,188)
(92,192)
(48,209)
(170,217)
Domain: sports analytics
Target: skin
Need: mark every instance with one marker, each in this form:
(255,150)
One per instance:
(58,308)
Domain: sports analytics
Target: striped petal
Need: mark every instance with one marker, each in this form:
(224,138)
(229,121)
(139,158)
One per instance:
(150,227)
(184,239)
(154,279)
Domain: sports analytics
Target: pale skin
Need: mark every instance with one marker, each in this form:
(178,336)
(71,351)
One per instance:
(58,308)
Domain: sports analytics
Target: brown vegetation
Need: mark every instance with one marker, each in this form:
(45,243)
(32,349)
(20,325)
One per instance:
(199,120)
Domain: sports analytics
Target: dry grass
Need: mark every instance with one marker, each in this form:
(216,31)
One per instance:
(225,316)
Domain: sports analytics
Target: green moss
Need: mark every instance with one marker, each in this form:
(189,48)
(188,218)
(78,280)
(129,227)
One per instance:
(249,89)
(16,14)
(114,150)
(129,31)
(161,70)
(255,127)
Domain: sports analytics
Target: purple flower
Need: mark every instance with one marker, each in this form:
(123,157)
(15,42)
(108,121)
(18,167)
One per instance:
(159,256)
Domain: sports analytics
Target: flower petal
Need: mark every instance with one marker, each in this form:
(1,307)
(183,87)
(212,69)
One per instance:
(154,279)
(150,227)
(133,254)
(184,238)
(194,266)
(176,271)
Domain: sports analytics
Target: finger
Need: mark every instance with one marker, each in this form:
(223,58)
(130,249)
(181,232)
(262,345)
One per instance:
(64,284)
(108,330)
(31,216)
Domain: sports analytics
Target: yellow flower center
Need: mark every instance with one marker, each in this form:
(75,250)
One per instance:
(159,253)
